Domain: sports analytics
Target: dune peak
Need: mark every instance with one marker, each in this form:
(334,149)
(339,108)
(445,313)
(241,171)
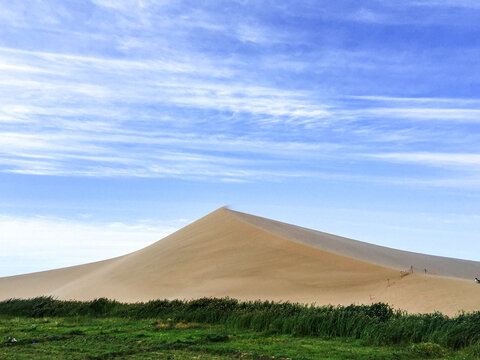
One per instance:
(230,253)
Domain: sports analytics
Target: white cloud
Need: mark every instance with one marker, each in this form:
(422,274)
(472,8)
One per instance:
(368,16)
(9,67)
(68,111)
(469,4)
(468,160)
(416,113)
(416,100)
(44,243)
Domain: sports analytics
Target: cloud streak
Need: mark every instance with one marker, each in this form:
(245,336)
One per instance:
(434,159)
(251,101)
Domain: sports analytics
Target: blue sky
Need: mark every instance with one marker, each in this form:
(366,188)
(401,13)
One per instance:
(124,120)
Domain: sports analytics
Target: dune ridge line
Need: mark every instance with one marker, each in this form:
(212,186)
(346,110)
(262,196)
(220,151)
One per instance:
(229,253)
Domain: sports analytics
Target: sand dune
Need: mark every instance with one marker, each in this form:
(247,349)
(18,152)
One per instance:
(380,255)
(228,253)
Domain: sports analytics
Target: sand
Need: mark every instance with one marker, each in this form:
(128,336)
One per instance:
(228,253)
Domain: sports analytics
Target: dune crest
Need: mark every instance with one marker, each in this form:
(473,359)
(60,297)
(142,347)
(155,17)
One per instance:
(228,253)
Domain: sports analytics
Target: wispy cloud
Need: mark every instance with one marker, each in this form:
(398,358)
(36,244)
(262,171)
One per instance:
(469,4)
(420,100)
(418,113)
(253,100)
(61,242)
(468,160)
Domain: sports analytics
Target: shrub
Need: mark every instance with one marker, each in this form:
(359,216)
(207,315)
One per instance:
(428,350)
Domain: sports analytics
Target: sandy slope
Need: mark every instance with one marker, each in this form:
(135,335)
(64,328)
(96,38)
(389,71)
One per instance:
(232,254)
(380,255)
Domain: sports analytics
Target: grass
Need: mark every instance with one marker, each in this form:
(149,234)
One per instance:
(81,337)
(227,328)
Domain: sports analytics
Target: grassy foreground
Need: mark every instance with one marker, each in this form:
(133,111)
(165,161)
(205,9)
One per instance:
(226,329)
(120,338)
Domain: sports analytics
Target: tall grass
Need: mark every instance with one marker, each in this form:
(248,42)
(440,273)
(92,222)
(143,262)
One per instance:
(377,324)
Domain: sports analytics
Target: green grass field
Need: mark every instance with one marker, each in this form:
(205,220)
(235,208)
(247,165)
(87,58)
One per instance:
(81,337)
(45,328)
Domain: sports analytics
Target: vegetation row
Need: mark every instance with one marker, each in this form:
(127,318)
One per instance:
(377,324)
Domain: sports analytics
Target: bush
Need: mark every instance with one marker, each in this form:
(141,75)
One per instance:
(102,306)
(428,350)
(474,350)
